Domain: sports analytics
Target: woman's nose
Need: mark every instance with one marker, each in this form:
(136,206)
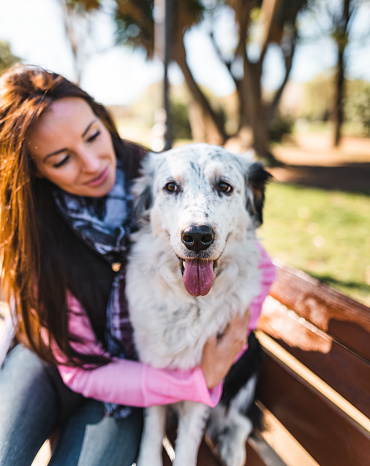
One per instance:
(89,162)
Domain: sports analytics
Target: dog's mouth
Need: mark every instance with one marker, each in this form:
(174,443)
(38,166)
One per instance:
(197,275)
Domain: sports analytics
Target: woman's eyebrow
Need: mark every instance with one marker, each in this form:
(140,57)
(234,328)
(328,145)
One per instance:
(59,151)
(88,127)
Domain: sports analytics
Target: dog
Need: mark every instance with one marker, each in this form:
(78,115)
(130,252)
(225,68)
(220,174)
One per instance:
(193,267)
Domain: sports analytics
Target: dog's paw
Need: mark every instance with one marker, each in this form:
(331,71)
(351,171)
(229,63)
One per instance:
(233,454)
(231,447)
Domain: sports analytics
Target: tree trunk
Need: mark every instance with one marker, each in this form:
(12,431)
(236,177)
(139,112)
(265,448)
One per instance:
(256,110)
(206,124)
(341,35)
(339,95)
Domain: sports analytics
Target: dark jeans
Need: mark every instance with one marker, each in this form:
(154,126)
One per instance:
(34,402)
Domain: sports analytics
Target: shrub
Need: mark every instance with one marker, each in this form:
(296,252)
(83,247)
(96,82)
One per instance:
(280,125)
(357,106)
(180,120)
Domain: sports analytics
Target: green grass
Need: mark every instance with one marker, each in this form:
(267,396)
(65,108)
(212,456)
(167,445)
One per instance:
(324,233)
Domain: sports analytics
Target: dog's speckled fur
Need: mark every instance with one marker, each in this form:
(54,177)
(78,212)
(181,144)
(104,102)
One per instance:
(171,326)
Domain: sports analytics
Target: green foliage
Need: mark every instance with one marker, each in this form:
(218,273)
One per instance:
(135,22)
(280,125)
(180,119)
(324,233)
(319,97)
(6,57)
(357,107)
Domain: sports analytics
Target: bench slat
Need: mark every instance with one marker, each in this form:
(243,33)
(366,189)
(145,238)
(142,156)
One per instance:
(324,431)
(254,457)
(344,319)
(206,457)
(333,363)
(165,458)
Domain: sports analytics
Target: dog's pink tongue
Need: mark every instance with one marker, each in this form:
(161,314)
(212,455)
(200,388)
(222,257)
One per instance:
(198,277)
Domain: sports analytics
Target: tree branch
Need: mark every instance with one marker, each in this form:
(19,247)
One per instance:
(288,60)
(269,10)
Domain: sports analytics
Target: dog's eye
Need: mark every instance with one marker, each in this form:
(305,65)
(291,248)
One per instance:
(171,187)
(224,188)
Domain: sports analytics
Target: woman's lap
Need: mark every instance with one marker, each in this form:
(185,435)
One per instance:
(90,438)
(28,407)
(33,401)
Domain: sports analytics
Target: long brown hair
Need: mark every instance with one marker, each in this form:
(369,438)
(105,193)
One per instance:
(33,271)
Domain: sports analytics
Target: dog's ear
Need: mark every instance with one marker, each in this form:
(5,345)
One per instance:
(256,179)
(142,188)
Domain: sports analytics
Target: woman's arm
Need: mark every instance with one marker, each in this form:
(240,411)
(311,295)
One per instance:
(268,275)
(136,384)
(129,382)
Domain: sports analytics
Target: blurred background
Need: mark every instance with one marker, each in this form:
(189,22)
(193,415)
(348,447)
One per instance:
(290,78)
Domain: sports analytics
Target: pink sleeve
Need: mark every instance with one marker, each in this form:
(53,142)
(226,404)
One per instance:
(129,382)
(268,276)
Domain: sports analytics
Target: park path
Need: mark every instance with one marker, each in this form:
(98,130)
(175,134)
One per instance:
(310,160)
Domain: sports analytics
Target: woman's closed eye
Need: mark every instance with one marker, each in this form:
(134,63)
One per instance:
(62,161)
(93,136)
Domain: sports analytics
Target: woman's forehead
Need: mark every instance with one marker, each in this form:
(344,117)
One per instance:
(65,119)
(66,110)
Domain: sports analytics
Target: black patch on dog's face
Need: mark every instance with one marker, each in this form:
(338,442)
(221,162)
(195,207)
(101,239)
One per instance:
(142,188)
(143,201)
(257,177)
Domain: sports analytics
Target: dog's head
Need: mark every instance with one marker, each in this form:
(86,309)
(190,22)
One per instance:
(200,199)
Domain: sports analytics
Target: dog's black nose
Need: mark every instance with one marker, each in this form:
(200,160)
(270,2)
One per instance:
(198,237)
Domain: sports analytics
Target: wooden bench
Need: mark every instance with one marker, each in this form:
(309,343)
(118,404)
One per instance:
(314,390)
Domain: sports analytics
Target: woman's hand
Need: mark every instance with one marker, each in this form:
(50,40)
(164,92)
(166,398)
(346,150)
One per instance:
(219,352)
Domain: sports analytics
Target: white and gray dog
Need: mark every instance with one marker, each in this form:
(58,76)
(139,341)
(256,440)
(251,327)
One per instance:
(193,266)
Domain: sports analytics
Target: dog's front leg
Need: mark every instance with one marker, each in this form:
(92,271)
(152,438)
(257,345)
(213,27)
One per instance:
(151,441)
(192,419)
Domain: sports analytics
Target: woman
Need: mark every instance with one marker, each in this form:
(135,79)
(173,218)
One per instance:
(65,217)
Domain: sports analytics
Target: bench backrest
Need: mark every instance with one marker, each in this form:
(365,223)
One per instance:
(316,376)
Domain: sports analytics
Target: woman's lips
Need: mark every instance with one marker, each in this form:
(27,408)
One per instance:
(100,178)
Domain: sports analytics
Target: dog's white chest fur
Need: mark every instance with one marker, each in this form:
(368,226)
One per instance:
(171,327)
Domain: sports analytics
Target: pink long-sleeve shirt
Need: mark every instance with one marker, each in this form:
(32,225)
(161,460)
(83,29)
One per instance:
(132,383)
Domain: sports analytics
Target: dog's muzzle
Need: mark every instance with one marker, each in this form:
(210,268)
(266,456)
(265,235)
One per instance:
(197,273)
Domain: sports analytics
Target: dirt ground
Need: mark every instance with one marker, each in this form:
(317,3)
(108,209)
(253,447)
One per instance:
(310,160)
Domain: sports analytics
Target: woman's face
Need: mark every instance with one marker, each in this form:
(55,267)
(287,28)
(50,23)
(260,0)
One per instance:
(72,148)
